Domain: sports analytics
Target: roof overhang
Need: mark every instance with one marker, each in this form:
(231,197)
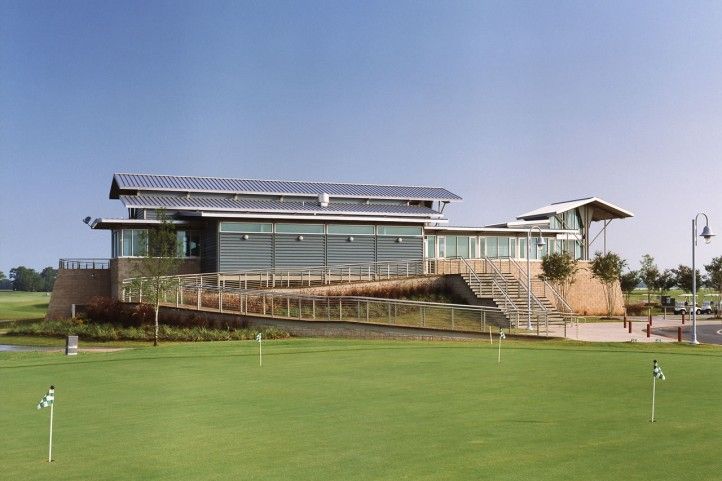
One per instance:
(601,209)
(105,223)
(500,230)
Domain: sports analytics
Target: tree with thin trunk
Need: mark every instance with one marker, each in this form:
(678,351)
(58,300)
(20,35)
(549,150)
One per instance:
(628,282)
(683,277)
(607,268)
(649,273)
(665,282)
(154,272)
(714,278)
(559,269)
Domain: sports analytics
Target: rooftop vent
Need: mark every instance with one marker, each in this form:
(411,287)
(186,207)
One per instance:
(323,199)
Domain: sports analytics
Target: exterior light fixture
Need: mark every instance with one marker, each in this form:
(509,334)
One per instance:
(399,240)
(300,237)
(245,236)
(707,236)
(350,238)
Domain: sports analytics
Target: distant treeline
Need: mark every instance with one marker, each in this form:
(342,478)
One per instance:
(23,278)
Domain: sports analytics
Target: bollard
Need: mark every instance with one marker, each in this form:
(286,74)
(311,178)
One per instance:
(683,318)
(649,330)
(625,321)
(629,325)
(650,316)
(679,334)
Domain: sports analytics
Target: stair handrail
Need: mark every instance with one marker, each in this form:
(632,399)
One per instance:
(522,280)
(559,299)
(503,290)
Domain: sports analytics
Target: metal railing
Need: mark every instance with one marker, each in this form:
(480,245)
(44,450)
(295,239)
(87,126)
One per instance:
(80,263)
(302,307)
(547,290)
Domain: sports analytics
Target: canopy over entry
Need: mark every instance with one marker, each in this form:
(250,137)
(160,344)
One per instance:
(598,208)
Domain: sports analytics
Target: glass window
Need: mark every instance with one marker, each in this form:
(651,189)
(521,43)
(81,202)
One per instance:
(442,246)
(554,223)
(522,248)
(245,227)
(398,230)
(503,247)
(127,242)
(351,229)
(140,242)
(451,246)
(462,247)
(473,252)
(430,246)
(299,228)
(492,247)
(188,243)
(482,247)
(512,247)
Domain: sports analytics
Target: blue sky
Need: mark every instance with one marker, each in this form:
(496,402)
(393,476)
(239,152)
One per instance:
(509,104)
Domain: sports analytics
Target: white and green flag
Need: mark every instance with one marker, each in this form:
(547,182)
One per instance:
(48,399)
(258,337)
(657,371)
(502,335)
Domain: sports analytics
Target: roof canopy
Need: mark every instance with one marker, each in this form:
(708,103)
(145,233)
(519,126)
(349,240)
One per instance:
(600,209)
(132,183)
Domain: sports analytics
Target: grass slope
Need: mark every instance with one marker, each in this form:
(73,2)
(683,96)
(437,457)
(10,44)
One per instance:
(23,305)
(364,410)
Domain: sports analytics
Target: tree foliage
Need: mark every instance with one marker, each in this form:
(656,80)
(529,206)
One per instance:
(628,282)
(649,274)
(28,279)
(159,262)
(607,268)
(714,274)
(559,269)
(683,277)
(666,281)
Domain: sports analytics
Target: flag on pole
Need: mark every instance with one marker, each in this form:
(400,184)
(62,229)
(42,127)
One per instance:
(48,399)
(502,335)
(258,337)
(657,371)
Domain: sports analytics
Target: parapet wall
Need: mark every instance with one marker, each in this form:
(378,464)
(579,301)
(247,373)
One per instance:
(121,269)
(76,286)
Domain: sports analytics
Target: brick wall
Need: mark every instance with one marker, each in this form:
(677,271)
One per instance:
(76,286)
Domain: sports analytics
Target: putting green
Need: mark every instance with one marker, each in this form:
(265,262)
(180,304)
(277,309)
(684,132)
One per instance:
(364,410)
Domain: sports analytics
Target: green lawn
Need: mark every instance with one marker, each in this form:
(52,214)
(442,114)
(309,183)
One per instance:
(365,410)
(23,305)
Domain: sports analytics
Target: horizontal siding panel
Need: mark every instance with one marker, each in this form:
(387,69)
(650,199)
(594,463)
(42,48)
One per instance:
(291,252)
(341,251)
(388,249)
(237,253)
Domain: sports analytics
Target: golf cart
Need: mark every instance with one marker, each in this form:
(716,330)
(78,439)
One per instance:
(683,307)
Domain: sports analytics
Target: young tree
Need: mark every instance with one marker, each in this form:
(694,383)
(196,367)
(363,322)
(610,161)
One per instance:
(559,269)
(607,268)
(649,273)
(665,282)
(628,282)
(157,265)
(714,277)
(683,277)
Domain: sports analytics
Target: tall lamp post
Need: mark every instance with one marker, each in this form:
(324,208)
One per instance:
(539,243)
(707,235)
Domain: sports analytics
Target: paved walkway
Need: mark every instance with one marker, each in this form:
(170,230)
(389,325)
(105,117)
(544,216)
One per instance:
(615,332)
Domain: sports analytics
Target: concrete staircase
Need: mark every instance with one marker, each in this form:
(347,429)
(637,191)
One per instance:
(482,285)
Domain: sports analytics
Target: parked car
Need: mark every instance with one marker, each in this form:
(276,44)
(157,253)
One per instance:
(682,308)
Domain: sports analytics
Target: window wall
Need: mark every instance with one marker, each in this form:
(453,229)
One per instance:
(134,243)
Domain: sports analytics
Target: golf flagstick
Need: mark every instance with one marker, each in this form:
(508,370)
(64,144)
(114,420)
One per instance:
(260,349)
(656,374)
(49,400)
(501,336)
(491,341)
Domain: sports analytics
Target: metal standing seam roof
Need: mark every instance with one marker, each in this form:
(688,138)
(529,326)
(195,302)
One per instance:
(124,183)
(603,209)
(217,204)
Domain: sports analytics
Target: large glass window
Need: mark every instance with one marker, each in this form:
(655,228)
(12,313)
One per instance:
(350,229)
(398,230)
(431,247)
(462,247)
(451,246)
(503,247)
(188,243)
(134,242)
(442,246)
(473,252)
(299,228)
(492,247)
(522,248)
(246,227)
(512,247)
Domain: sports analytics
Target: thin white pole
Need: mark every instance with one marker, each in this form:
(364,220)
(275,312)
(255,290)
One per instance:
(654,392)
(491,341)
(50,447)
(498,361)
(260,353)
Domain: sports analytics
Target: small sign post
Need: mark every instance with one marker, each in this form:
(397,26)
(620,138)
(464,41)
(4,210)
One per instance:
(71,346)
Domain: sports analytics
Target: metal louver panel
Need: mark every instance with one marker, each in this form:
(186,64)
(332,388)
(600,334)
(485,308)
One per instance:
(237,253)
(292,252)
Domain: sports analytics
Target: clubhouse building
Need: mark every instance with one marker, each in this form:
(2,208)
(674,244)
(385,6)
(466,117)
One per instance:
(235,225)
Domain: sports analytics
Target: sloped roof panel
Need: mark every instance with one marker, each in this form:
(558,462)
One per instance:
(603,210)
(127,183)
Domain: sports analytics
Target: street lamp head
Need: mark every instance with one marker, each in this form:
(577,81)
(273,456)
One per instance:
(540,242)
(707,234)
